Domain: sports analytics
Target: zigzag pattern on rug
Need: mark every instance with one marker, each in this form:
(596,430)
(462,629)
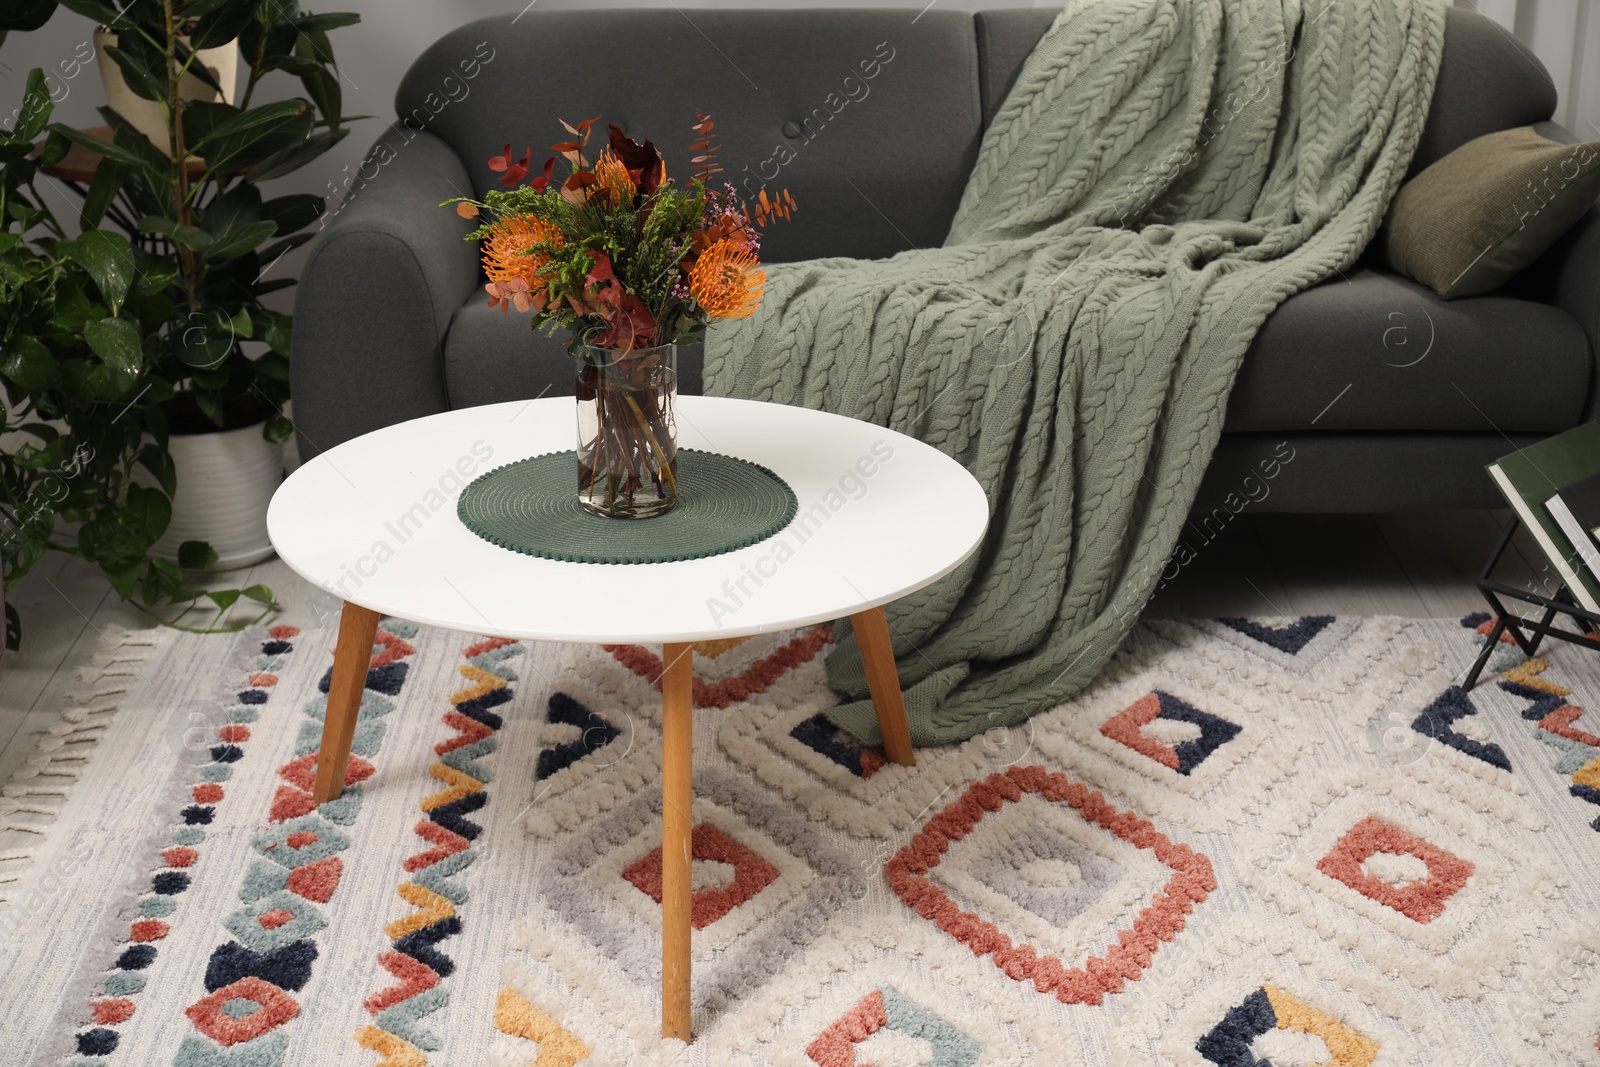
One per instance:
(1556,717)
(158,905)
(250,979)
(396,1032)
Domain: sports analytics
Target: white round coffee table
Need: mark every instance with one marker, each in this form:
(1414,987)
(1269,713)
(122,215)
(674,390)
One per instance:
(374,522)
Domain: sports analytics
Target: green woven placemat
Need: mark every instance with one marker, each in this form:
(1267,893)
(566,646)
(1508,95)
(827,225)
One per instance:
(531,506)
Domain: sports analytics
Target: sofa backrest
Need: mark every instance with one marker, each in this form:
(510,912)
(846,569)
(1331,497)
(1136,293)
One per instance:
(1488,80)
(871,120)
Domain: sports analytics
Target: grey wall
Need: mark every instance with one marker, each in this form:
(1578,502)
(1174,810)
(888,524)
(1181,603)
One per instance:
(375,54)
(372,58)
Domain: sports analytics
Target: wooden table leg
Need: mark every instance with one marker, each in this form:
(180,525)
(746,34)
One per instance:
(877,655)
(677,822)
(357,628)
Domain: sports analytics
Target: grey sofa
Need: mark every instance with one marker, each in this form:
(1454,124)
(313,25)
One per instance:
(1388,397)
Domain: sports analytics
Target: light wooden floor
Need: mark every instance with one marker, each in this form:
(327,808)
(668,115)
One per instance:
(1418,565)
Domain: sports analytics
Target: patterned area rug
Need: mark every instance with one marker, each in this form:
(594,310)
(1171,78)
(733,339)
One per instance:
(1252,842)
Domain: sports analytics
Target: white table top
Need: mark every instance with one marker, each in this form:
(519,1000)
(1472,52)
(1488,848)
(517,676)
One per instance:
(374,522)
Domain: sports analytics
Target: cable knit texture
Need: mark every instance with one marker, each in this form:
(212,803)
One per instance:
(1163,175)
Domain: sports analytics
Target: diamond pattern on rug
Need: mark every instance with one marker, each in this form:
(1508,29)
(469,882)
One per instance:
(1460,929)
(727,687)
(1049,873)
(1128,728)
(605,883)
(886,1010)
(1422,899)
(783,738)
(890,985)
(1438,721)
(1343,655)
(1067,921)
(820,735)
(751,874)
(1236,989)
(1327,912)
(242,1011)
(1137,938)
(1190,744)
(1289,637)
(1231,1043)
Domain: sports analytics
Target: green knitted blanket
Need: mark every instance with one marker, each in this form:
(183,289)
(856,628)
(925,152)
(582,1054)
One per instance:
(1163,175)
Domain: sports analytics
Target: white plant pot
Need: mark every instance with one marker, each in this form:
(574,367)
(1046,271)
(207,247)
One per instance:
(225,482)
(146,115)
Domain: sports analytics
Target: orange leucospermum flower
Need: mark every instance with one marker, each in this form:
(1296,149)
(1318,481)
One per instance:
(612,183)
(508,251)
(726,281)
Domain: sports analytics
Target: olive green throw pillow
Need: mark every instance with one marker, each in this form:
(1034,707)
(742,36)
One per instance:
(1472,220)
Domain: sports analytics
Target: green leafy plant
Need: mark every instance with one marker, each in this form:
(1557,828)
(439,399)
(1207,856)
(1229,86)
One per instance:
(108,344)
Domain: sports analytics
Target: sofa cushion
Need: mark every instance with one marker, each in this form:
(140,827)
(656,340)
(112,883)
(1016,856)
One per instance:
(1374,351)
(870,119)
(1476,218)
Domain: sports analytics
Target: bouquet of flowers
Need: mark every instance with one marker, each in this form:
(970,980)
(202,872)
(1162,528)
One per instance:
(631,263)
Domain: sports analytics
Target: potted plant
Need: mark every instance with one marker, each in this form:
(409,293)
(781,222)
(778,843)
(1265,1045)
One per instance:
(114,345)
(632,265)
(221,62)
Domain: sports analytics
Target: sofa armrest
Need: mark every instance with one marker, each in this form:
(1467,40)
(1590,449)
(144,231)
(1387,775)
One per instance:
(1571,272)
(377,294)
(1567,276)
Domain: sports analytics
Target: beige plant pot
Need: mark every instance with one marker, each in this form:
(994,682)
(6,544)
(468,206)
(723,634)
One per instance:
(225,482)
(146,115)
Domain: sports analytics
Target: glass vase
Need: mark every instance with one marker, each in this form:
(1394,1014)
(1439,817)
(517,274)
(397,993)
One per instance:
(627,431)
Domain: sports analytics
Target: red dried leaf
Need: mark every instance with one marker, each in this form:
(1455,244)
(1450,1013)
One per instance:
(643,161)
(514,172)
(541,183)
